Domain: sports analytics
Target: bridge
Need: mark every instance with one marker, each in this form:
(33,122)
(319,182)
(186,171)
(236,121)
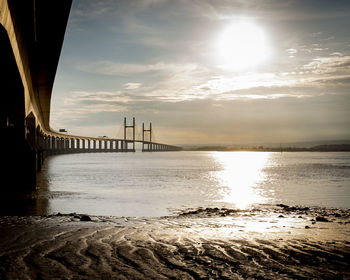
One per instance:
(31,38)
(53,143)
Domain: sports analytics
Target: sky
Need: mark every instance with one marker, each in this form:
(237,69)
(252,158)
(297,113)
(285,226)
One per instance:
(206,72)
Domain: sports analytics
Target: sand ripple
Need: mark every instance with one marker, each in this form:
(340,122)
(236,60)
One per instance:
(183,247)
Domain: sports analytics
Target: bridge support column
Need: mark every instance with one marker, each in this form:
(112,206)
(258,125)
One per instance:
(48,145)
(53,145)
(116,145)
(39,149)
(66,145)
(59,144)
(71,148)
(45,146)
(78,145)
(88,146)
(94,145)
(63,144)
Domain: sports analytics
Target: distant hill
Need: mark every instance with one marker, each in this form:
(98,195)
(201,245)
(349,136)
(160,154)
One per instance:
(223,147)
(333,147)
(309,144)
(285,148)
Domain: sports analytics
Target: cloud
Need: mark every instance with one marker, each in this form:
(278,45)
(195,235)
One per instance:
(131,86)
(116,69)
(331,64)
(98,96)
(187,82)
(291,51)
(179,82)
(80,104)
(87,9)
(271,9)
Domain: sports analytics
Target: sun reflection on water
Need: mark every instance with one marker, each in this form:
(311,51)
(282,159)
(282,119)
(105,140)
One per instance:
(240,176)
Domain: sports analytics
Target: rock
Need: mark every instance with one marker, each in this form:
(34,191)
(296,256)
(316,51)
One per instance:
(85,218)
(283,205)
(321,219)
(307,227)
(280,216)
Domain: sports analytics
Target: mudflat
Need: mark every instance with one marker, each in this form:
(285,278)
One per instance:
(272,242)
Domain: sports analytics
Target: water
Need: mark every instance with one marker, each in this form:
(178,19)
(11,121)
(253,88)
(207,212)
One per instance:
(157,184)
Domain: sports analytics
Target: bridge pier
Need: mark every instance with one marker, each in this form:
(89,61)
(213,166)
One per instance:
(58,144)
(71,146)
(53,145)
(99,142)
(61,145)
(82,146)
(88,148)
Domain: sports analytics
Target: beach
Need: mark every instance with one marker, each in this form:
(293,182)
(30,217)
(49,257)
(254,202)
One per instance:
(265,242)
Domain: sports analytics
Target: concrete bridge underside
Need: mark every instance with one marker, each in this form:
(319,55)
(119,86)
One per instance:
(31,38)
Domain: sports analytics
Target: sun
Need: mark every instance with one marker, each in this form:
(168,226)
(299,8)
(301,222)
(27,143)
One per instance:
(241,45)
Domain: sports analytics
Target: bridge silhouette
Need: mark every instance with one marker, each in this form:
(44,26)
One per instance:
(31,38)
(53,143)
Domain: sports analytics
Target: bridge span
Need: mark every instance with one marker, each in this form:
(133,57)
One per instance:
(56,143)
(31,38)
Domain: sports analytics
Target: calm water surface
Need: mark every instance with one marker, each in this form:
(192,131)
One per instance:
(157,184)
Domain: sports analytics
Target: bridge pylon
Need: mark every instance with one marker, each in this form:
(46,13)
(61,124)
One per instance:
(148,144)
(126,142)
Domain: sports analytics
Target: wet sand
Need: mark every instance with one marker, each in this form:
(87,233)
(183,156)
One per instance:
(272,242)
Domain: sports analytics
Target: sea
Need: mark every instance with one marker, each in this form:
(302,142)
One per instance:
(156,184)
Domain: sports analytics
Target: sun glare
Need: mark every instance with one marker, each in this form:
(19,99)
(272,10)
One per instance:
(241,45)
(240,175)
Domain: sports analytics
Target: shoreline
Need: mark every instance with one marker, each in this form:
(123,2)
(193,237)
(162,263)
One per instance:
(281,242)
